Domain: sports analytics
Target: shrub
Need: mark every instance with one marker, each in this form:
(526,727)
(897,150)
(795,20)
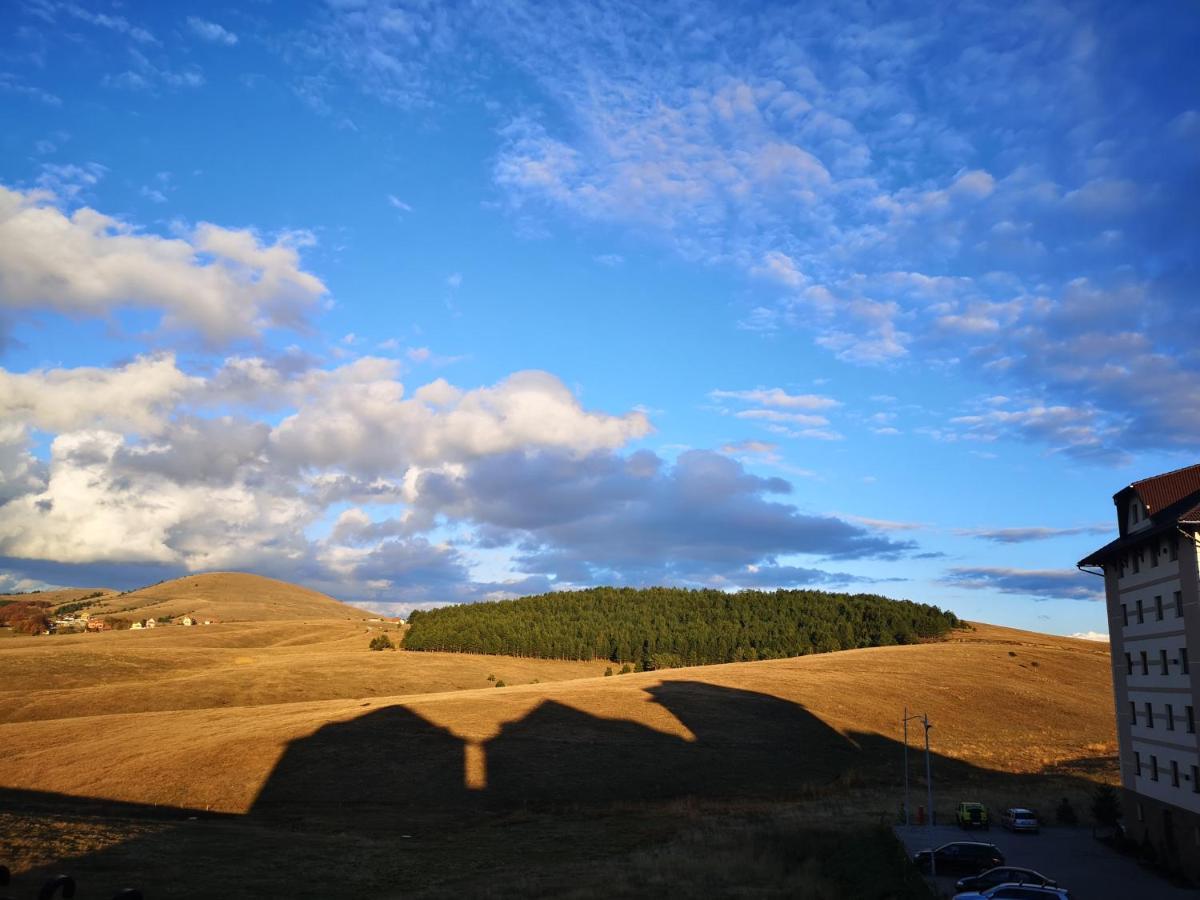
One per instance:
(626,669)
(501,684)
(491,678)
(382,642)
(608,672)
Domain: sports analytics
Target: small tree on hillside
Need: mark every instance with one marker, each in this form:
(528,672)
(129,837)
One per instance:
(382,642)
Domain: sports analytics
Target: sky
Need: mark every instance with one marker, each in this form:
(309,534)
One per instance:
(419,303)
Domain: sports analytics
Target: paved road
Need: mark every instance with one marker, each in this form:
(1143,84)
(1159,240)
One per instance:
(1086,867)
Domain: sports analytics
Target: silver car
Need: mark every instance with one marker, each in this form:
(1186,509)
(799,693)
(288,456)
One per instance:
(1018,818)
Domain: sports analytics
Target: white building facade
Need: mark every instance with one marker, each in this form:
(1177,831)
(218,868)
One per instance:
(1152,585)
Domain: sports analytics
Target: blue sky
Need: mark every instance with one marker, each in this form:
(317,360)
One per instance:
(422,303)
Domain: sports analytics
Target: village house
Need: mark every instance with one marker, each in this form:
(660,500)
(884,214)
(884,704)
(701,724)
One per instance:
(187,620)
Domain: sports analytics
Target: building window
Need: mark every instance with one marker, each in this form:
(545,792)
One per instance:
(1174,774)
(1132,713)
(1179,604)
(1137,763)
(1133,512)
(1149,715)
(1162,659)
(1125,614)
(1136,559)
(1183,660)
(1141,813)
(1153,767)
(1196,779)
(1158,609)
(1154,557)
(1128,664)
(1173,549)
(1170,715)
(1141,613)
(1191,719)
(1145,664)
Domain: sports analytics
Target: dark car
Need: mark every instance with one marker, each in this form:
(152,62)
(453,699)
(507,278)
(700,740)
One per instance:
(1004,875)
(968,857)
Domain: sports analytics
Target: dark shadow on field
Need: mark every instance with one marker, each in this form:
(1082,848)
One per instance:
(390,774)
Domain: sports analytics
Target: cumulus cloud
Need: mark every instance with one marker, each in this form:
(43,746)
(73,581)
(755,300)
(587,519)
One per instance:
(357,418)
(222,283)
(138,396)
(1041,584)
(1091,636)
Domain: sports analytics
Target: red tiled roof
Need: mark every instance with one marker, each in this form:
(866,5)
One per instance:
(1161,491)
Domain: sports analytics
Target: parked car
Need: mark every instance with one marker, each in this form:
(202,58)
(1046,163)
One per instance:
(972,815)
(965,857)
(1003,875)
(1017,818)
(1017,892)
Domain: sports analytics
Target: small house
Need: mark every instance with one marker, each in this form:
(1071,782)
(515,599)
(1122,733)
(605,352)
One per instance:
(187,620)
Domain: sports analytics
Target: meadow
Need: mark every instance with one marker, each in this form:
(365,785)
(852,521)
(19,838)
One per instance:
(285,752)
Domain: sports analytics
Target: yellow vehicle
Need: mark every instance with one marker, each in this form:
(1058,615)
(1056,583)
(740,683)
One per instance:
(972,815)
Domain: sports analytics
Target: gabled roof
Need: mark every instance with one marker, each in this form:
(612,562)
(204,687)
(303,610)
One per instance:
(1172,498)
(1165,490)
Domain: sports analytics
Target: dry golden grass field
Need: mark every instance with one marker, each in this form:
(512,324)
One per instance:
(282,758)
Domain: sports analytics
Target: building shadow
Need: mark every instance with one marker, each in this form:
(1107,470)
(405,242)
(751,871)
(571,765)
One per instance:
(391,774)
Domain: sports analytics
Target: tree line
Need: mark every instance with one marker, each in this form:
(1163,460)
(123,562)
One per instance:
(662,627)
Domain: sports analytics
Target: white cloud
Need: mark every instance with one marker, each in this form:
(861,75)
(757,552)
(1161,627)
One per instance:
(223,283)
(138,396)
(777,397)
(1091,636)
(454,281)
(357,418)
(396,203)
(211,31)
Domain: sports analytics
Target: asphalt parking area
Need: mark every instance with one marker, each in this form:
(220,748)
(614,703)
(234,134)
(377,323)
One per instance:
(1071,856)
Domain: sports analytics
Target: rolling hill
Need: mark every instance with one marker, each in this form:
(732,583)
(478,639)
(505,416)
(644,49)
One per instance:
(227,597)
(1003,701)
(178,759)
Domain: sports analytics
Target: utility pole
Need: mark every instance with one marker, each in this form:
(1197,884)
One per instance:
(929,788)
(905,767)
(924,717)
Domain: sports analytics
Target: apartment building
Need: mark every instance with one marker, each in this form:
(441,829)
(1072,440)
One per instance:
(1151,583)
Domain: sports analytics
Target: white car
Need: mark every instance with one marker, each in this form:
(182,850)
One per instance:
(1020,819)
(1017,892)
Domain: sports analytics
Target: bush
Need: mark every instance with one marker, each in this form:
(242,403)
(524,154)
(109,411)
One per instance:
(491,678)
(501,684)
(608,672)
(382,642)
(626,669)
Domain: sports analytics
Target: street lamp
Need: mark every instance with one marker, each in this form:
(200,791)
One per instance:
(924,718)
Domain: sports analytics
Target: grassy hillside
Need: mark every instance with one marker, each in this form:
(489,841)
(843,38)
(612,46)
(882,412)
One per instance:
(242,664)
(58,598)
(698,780)
(227,597)
(826,715)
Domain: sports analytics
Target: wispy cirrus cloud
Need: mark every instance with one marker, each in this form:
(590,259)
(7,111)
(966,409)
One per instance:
(1031,533)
